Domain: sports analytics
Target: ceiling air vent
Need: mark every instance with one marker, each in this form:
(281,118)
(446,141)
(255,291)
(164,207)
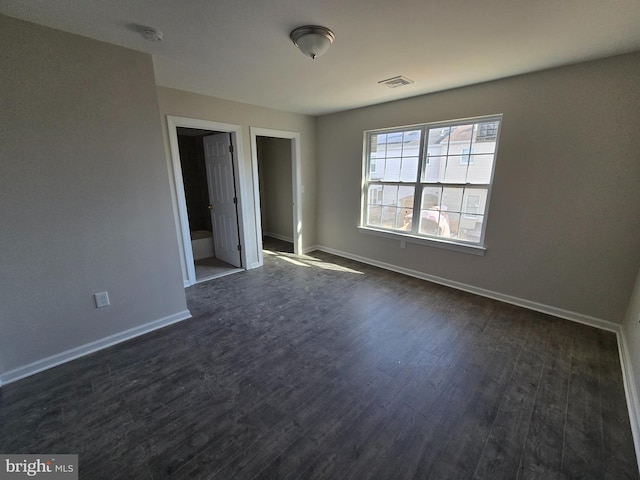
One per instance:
(394,82)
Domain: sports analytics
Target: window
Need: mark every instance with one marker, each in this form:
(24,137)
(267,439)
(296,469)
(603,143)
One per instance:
(431,180)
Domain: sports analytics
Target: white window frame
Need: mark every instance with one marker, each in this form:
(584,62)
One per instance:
(413,236)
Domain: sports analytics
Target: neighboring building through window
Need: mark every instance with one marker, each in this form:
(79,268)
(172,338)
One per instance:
(431,180)
(465,158)
(372,166)
(487,132)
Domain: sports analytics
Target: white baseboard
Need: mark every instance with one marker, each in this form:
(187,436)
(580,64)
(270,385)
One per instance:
(630,391)
(311,249)
(86,349)
(278,237)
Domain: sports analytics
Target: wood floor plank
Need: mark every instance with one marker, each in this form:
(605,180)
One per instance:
(383,455)
(583,448)
(503,448)
(460,454)
(542,454)
(348,445)
(322,431)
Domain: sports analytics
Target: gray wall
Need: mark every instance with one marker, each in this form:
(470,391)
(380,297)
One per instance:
(276,190)
(563,227)
(86,204)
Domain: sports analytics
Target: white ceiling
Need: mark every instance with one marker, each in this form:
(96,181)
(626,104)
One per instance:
(240,49)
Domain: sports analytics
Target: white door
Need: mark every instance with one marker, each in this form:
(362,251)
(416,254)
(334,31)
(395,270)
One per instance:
(222,197)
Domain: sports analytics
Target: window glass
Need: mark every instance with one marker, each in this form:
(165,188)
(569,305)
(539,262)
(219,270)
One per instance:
(480,168)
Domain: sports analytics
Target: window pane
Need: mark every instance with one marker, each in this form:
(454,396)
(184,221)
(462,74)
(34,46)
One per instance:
(438,141)
(434,169)
(433,219)
(376,168)
(403,219)
(411,143)
(409,171)
(474,200)
(405,196)
(375,195)
(466,157)
(459,148)
(374,214)
(392,170)
(452,199)
(430,197)
(394,150)
(484,147)
(429,222)
(388,217)
(454,224)
(456,172)
(389,195)
(460,138)
(470,227)
(480,168)
(379,145)
(485,136)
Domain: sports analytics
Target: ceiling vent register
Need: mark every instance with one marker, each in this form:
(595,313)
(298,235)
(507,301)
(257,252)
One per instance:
(395,82)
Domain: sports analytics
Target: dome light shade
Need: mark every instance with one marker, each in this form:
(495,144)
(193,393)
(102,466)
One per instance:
(312,40)
(151,34)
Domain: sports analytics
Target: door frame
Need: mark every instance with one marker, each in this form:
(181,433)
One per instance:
(178,194)
(296,181)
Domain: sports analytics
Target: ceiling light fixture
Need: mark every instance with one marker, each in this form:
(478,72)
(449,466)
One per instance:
(312,40)
(151,34)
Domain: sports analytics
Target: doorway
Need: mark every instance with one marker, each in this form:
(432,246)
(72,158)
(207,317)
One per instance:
(276,191)
(211,228)
(279,185)
(208,177)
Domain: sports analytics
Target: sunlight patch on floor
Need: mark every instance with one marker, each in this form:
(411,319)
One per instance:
(307,261)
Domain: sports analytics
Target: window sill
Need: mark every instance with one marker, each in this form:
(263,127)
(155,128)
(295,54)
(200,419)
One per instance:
(432,242)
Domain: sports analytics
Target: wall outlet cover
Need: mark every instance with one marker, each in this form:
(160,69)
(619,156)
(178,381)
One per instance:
(102,299)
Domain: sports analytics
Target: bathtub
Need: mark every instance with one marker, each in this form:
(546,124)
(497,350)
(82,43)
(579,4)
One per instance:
(202,244)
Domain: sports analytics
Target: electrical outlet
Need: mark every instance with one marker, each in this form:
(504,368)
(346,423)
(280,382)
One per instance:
(102,299)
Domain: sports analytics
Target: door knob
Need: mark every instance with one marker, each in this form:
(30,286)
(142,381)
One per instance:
(210,207)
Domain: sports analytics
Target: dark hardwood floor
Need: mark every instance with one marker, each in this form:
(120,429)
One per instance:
(321,367)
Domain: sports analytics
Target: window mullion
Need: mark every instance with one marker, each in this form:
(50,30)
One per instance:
(417,200)
(415,219)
